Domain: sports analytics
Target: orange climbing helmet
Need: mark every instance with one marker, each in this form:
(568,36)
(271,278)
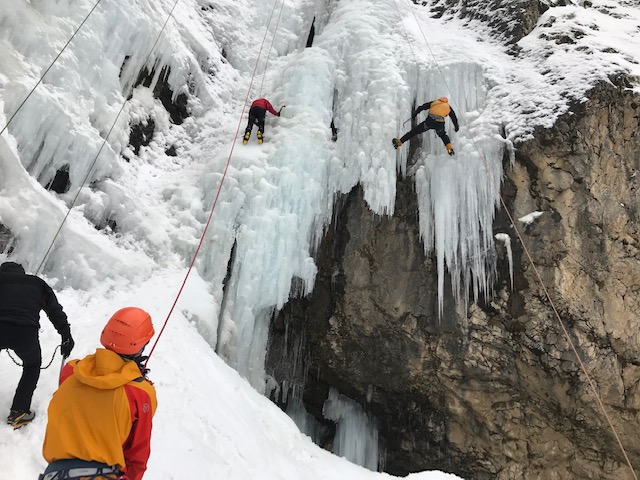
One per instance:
(127,331)
(444,99)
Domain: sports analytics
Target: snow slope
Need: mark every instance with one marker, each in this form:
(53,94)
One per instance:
(210,423)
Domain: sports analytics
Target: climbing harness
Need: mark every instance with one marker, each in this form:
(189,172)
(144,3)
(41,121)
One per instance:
(84,473)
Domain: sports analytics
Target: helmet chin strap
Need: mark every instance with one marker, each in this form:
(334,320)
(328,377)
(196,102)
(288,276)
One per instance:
(139,359)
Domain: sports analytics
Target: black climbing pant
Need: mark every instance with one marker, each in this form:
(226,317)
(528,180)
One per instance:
(23,340)
(256,117)
(428,124)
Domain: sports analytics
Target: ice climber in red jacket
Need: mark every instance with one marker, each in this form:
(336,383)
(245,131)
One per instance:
(257,112)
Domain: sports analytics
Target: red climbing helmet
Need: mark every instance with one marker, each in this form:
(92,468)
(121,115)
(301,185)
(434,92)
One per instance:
(127,331)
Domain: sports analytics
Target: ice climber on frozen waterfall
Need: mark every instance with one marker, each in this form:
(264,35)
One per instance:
(437,111)
(100,417)
(257,112)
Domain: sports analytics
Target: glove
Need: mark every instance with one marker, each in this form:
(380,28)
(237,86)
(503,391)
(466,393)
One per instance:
(456,128)
(67,344)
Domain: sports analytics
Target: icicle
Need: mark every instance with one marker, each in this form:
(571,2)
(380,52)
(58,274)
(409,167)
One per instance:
(305,422)
(506,239)
(457,195)
(356,436)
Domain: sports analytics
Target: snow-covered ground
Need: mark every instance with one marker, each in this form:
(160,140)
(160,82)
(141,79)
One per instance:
(210,423)
(370,59)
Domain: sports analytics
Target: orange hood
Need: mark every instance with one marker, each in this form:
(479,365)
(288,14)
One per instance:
(106,370)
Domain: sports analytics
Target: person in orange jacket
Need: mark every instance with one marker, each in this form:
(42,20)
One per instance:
(438,110)
(100,417)
(257,113)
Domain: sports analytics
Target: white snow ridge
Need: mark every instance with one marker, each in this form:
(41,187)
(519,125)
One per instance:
(530,218)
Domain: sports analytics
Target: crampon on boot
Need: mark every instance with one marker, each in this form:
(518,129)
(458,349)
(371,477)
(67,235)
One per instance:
(245,139)
(259,137)
(19,419)
(397,143)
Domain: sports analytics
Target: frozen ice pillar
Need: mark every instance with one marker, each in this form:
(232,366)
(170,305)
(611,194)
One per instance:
(356,436)
(458,195)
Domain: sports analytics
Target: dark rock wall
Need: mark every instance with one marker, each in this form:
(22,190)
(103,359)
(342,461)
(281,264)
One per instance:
(495,391)
(510,20)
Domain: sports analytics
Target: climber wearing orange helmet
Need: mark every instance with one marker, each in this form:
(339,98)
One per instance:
(438,110)
(101,415)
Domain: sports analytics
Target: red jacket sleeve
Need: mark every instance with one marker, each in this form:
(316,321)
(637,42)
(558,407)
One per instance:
(67,371)
(271,109)
(137,448)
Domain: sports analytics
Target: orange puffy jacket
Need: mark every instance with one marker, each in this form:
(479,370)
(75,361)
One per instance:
(102,412)
(438,109)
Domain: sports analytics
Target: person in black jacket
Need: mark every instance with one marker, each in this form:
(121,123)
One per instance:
(22,297)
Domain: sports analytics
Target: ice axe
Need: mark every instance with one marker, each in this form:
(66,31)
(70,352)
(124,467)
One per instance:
(64,359)
(65,351)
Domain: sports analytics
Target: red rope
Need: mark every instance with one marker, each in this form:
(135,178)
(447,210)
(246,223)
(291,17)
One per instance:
(215,201)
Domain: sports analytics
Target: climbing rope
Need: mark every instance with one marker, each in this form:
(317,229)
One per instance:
(406,34)
(49,67)
(215,201)
(41,368)
(535,269)
(95,159)
(496,181)
(273,39)
(568,337)
(104,142)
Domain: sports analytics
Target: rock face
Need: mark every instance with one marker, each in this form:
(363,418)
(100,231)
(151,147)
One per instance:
(495,391)
(523,14)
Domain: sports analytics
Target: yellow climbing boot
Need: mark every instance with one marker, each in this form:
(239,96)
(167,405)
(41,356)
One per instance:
(245,139)
(450,149)
(260,137)
(397,143)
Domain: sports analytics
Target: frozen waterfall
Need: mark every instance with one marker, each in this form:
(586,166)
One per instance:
(149,209)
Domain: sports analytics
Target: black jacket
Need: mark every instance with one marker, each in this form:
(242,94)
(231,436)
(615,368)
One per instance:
(22,297)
